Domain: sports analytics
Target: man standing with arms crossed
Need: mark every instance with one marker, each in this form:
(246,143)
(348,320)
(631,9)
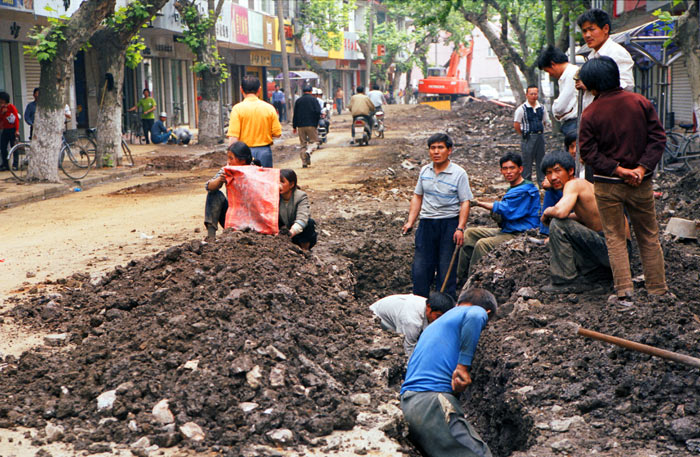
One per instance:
(441,200)
(254,122)
(529,122)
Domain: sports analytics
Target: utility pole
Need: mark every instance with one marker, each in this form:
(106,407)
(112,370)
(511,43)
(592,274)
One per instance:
(285,62)
(368,57)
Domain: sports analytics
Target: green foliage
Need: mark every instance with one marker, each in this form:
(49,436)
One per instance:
(129,17)
(326,19)
(46,39)
(199,36)
(665,22)
(134,51)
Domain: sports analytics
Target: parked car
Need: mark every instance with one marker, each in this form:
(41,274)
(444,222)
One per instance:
(488,92)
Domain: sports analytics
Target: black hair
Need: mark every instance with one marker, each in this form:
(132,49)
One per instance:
(479,297)
(242,152)
(250,84)
(549,56)
(281,89)
(360,89)
(5,97)
(569,139)
(511,157)
(289,175)
(561,158)
(440,138)
(307,88)
(375,86)
(596,16)
(532,86)
(441,302)
(146,89)
(600,74)
(36,89)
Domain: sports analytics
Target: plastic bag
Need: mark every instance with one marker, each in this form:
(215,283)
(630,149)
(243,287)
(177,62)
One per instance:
(253,198)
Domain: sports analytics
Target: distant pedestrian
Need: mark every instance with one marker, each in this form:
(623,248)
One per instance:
(596,26)
(339,99)
(9,128)
(564,108)
(254,122)
(441,202)
(30,112)
(279,103)
(147,105)
(622,138)
(307,113)
(529,122)
(159,132)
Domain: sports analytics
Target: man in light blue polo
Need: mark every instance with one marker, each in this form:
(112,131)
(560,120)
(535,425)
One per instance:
(441,199)
(438,371)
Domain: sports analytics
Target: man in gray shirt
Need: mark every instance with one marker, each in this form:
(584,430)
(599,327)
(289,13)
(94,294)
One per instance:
(378,99)
(409,314)
(441,199)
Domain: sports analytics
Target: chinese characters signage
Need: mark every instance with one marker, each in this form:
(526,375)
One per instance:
(240,24)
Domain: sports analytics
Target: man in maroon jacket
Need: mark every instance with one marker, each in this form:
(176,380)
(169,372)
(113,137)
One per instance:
(622,139)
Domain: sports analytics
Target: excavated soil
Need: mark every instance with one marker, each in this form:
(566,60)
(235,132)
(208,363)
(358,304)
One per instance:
(248,335)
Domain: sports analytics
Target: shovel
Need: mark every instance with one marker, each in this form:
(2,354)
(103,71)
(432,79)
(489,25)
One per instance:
(449,269)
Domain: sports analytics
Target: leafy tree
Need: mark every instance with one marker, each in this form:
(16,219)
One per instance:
(117,43)
(55,47)
(200,37)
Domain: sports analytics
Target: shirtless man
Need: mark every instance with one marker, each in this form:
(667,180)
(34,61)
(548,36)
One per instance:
(579,256)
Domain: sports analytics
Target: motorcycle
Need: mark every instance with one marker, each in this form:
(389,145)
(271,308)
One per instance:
(361,125)
(323,127)
(379,125)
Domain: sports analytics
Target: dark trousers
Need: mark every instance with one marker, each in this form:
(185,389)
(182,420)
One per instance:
(434,248)
(215,209)
(263,154)
(7,140)
(147,125)
(532,148)
(308,235)
(279,106)
(339,105)
(570,126)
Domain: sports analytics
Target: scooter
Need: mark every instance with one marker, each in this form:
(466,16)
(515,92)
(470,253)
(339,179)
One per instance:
(323,127)
(379,126)
(361,125)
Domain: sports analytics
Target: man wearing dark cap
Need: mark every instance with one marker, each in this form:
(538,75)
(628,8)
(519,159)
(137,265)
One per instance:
(307,112)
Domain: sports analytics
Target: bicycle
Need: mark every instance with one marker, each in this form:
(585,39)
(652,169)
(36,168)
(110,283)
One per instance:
(75,168)
(680,148)
(88,142)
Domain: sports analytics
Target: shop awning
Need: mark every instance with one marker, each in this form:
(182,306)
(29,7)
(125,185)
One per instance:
(299,74)
(646,44)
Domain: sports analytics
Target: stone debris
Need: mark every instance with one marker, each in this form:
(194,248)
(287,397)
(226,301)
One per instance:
(192,431)
(56,339)
(254,377)
(105,400)
(53,432)
(281,436)
(361,399)
(161,412)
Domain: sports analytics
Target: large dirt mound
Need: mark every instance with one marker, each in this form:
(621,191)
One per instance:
(244,337)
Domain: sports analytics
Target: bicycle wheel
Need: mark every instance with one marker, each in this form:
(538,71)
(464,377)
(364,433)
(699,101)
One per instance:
(127,157)
(87,144)
(674,146)
(18,159)
(75,164)
(690,150)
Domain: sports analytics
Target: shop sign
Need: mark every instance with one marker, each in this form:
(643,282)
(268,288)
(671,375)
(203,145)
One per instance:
(240,24)
(223,27)
(169,19)
(269,31)
(276,61)
(337,53)
(51,8)
(14,31)
(255,28)
(25,5)
(260,58)
(351,46)
(342,64)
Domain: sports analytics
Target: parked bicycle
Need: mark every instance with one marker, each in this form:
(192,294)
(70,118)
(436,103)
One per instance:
(75,163)
(680,148)
(88,142)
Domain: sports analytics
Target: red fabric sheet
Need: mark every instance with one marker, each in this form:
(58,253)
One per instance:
(253,198)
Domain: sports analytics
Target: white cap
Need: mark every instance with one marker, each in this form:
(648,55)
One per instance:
(163,114)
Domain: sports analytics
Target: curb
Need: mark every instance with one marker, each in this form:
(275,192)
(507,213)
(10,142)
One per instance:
(57,190)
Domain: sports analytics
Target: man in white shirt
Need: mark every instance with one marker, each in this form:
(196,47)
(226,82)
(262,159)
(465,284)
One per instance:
(553,61)
(595,27)
(377,97)
(529,122)
(410,314)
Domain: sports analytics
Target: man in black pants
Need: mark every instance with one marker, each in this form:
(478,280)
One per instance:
(529,122)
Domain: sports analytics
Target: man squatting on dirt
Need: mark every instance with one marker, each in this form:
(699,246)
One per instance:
(516,212)
(441,199)
(622,139)
(409,315)
(579,256)
(438,371)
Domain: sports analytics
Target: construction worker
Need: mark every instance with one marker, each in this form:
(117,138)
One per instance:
(555,63)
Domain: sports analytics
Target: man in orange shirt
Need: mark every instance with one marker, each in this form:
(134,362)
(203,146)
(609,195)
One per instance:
(254,122)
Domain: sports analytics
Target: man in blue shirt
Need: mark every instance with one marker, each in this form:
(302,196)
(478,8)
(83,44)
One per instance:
(516,212)
(30,112)
(159,132)
(437,371)
(278,102)
(441,199)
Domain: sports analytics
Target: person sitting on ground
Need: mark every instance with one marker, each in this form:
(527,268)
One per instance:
(238,154)
(409,314)
(361,105)
(518,211)
(160,133)
(438,371)
(579,256)
(183,136)
(295,212)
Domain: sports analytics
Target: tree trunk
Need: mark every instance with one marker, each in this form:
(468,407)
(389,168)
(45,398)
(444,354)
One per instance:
(210,128)
(308,60)
(285,62)
(408,91)
(549,22)
(368,54)
(48,125)
(686,37)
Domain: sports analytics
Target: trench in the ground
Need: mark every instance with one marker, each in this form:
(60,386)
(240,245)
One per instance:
(381,268)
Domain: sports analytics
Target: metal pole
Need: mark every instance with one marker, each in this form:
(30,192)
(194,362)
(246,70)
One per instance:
(285,62)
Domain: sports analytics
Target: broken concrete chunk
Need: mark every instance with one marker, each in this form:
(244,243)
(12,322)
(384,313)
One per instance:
(564,424)
(191,365)
(133,426)
(277,375)
(361,399)
(241,365)
(53,432)
(162,413)
(192,431)
(105,401)
(247,407)
(56,339)
(526,292)
(141,443)
(274,352)
(254,377)
(281,436)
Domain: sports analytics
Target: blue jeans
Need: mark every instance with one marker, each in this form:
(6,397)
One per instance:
(263,154)
(570,126)
(157,138)
(434,248)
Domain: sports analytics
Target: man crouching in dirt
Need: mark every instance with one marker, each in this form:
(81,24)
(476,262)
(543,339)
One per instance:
(579,256)
(441,199)
(438,371)
(410,314)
